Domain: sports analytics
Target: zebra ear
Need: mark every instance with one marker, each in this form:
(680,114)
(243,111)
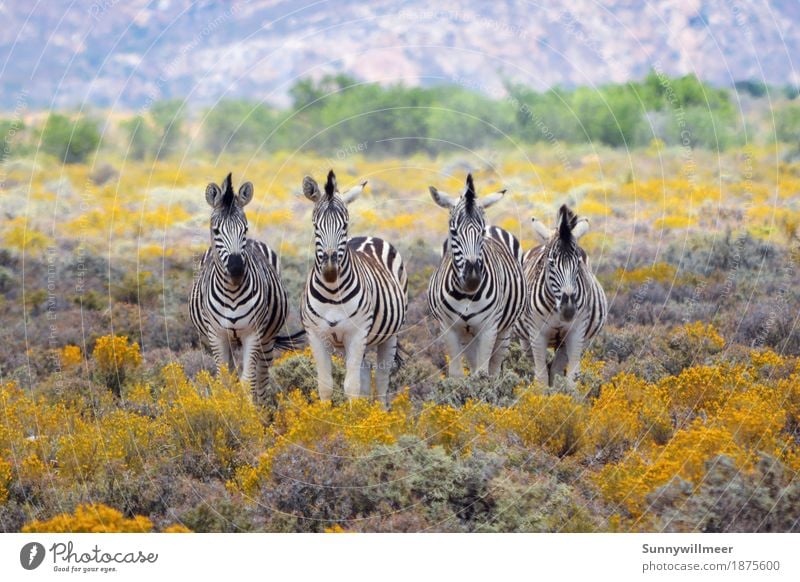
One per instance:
(487,201)
(581,228)
(311,189)
(442,199)
(245,194)
(353,192)
(213,195)
(541,230)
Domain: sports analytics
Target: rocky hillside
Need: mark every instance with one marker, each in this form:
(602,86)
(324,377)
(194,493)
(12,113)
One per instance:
(127,54)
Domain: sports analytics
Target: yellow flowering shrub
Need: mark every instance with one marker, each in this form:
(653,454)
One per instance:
(115,359)
(20,236)
(5,479)
(642,471)
(613,424)
(213,417)
(71,357)
(755,419)
(660,272)
(96,518)
(701,336)
(177,528)
(703,389)
(555,422)
(120,440)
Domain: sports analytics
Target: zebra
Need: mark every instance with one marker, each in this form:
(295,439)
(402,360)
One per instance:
(237,297)
(355,295)
(566,305)
(477,292)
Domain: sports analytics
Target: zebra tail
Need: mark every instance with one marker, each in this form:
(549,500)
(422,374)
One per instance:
(289,343)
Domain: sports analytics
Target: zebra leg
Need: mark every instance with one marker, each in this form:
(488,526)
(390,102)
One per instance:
(366,378)
(454,353)
(471,354)
(539,352)
(322,357)
(354,356)
(499,354)
(484,349)
(558,366)
(574,348)
(383,367)
(264,357)
(250,348)
(221,349)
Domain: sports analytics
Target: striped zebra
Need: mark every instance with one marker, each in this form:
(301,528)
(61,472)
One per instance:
(356,295)
(238,298)
(566,305)
(477,292)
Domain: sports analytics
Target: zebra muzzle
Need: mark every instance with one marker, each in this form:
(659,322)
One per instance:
(330,271)
(568,308)
(236,267)
(472,276)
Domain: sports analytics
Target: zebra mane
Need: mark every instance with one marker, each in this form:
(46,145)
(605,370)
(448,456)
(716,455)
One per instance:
(470,196)
(228,195)
(330,185)
(567,220)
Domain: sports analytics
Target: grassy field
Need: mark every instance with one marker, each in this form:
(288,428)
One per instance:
(687,414)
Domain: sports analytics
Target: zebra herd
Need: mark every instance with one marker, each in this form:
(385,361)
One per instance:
(484,292)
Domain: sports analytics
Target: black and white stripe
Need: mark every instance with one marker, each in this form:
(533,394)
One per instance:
(356,295)
(566,305)
(477,293)
(238,297)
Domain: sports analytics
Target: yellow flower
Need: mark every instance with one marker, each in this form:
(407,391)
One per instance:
(97,518)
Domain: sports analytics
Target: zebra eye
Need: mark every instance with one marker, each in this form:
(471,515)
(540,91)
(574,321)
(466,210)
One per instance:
(215,231)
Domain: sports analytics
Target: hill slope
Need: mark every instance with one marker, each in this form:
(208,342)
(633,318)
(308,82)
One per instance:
(108,52)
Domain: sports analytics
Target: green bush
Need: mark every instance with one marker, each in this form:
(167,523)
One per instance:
(141,137)
(70,141)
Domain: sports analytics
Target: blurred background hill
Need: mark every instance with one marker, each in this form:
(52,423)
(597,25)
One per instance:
(125,55)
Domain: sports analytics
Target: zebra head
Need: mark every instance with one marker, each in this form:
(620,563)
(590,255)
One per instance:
(330,219)
(565,261)
(229,226)
(467,225)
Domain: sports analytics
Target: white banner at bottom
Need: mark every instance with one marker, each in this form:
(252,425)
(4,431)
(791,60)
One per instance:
(386,557)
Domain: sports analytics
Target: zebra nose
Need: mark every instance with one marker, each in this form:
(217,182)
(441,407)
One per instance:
(568,307)
(236,266)
(472,275)
(472,267)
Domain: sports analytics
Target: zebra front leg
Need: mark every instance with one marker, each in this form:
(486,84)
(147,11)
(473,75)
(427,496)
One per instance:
(366,378)
(322,357)
(250,353)
(383,367)
(499,354)
(455,352)
(538,343)
(558,366)
(574,348)
(355,346)
(485,344)
(264,356)
(222,352)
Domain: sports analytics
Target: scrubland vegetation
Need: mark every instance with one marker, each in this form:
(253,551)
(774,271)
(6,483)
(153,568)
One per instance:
(686,416)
